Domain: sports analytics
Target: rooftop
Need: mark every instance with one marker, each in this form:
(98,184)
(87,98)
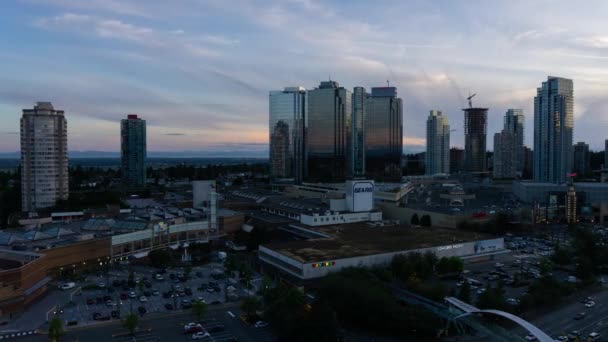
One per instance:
(358,239)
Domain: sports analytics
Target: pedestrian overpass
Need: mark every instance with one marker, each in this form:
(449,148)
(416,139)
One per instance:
(466,318)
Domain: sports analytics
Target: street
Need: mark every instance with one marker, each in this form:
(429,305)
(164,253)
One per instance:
(169,327)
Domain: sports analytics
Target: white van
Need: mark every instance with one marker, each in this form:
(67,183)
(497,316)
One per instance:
(67,286)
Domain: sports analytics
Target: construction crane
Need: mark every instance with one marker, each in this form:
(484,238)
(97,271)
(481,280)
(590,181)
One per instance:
(469,98)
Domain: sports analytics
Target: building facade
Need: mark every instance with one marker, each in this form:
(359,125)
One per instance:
(287,114)
(328,133)
(360,98)
(514,124)
(582,162)
(437,144)
(456,160)
(475,133)
(504,155)
(384,134)
(44,157)
(553,128)
(133,150)
(606,154)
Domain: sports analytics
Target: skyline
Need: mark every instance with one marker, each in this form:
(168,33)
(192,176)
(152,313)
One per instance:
(200,74)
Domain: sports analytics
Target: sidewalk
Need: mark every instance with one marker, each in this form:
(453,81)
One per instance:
(35,315)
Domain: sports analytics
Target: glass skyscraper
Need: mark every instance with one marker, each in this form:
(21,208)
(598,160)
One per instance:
(475,133)
(514,124)
(384,134)
(437,144)
(553,128)
(328,133)
(287,113)
(133,150)
(360,98)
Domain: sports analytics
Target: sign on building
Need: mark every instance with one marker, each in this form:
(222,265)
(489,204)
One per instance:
(360,195)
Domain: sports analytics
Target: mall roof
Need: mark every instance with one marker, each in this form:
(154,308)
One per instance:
(359,239)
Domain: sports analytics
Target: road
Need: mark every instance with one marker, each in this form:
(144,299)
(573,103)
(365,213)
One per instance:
(561,321)
(169,328)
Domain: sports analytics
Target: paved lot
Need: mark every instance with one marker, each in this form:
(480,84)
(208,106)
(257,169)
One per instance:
(91,302)
(170,328)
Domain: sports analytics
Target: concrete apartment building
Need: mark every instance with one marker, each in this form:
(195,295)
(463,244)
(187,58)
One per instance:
(44,157)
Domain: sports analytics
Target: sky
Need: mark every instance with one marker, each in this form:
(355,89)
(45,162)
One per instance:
(199,71)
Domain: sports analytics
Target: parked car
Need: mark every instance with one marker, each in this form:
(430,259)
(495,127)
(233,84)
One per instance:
(192,328)
(579,315)
(169,306)
(90,301)
(132,295)
(142,310)
(155,293)
(109,302)
(67,286)
(159,277)
(260,324)
(200,335)
(123,296)
(143,299)
(115,314)
(590,304)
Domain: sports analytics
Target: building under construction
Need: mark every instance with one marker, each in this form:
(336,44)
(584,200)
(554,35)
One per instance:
(475,129)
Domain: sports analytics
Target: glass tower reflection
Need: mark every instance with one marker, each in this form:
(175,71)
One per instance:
(328,133)
(287,111)
(384,134)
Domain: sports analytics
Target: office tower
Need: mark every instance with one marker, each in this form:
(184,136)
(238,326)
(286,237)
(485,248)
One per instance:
(384,134)
(475,126)
(133,150)
(528,163)
(504,155)
(571,204)
(437,144)
(553,127)
(582,163)
(514,124)
(456,160)
(360,98)
(328,133)
(44,157)
(287,113)
(606,154)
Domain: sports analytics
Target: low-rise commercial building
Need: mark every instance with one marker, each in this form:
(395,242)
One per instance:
(321,250)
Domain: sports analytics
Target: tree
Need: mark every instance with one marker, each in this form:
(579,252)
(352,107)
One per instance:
(231,264)
(425,221)
(415,220)
(131,281)
(130,322)
(250,305)
(492,298)
(464,294)
(199,310)
(56,329)
(160,258)
(187,271)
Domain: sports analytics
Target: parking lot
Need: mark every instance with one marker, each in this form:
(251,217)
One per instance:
(113,298)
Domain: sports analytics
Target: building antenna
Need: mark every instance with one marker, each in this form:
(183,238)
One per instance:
(387,84)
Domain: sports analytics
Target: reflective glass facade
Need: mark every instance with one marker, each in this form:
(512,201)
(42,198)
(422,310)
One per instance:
(553,128)
(514,124)
(133,151)
(437,144)
(475,132)
(328,133)
(384,134)
(360,98)
(287,112)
